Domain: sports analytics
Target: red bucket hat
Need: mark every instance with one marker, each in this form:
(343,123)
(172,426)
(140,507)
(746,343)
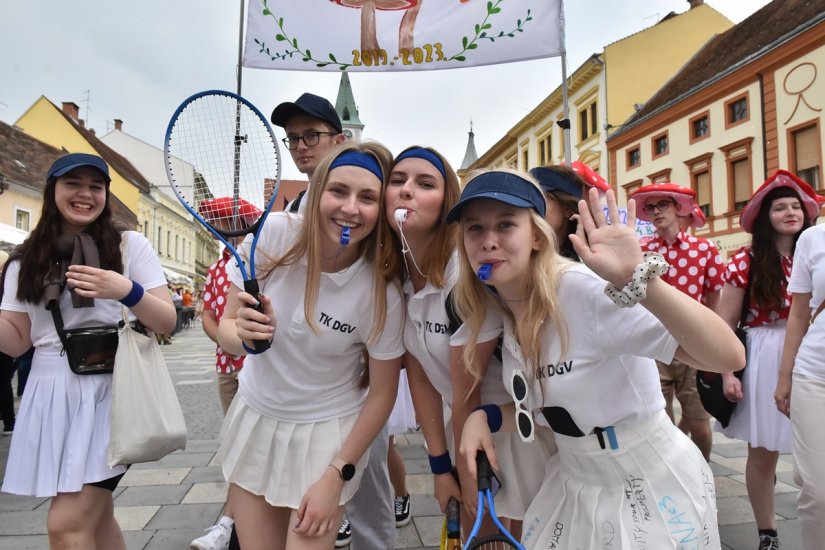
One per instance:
(684,198)
(590,176)
(781,178)
(222,207)
(697,216)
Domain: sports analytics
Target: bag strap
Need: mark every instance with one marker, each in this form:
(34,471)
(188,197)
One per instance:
(57,317)
(817,312)
(743,315)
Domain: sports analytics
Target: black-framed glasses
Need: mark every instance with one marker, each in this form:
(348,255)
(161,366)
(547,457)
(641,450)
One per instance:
(661,205)
(310,139)
(524,419)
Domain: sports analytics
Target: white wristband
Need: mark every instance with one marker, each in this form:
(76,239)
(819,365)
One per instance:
(653,265)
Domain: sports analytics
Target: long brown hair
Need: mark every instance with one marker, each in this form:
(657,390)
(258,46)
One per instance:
(38,252)
(372,248)
(443,244)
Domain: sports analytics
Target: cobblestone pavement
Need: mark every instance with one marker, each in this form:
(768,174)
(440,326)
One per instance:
(164,505)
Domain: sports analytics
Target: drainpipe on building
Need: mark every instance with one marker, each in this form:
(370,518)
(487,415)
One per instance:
(764,132)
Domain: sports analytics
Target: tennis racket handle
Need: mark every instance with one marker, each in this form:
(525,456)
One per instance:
(251,287)
(453,520)
(485,471)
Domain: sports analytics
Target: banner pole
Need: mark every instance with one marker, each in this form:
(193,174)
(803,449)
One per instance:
(565,122)
(240,48)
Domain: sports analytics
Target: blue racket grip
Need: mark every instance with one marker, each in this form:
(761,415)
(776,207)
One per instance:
(251,287)
(484,272)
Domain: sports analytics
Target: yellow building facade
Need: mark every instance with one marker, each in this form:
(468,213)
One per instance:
(752,102)
(63,129)
(603,92)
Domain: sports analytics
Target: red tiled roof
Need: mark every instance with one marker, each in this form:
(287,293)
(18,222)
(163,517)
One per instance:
(725,52)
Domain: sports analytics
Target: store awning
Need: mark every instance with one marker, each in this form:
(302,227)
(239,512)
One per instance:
(177,278)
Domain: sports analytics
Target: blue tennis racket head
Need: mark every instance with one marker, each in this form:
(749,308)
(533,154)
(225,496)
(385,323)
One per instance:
(223,164)
(486,482)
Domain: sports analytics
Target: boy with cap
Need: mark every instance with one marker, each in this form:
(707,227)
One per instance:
(313,128)
(696,269)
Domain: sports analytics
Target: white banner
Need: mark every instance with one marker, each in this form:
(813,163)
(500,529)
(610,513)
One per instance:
(399,35)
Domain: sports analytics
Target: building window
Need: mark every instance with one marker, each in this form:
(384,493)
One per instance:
(740,175)
(22,219)
(525,157)
(588,121)
(659,145)
(177,254)
(699,127)
(160,233)
(737,111)
(630,187)
(545,150)
(805,154)
(169,244)
(146,229)
(701,184)
(742,187)
(634,157)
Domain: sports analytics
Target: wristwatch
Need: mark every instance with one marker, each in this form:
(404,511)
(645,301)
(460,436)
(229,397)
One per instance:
(345,469)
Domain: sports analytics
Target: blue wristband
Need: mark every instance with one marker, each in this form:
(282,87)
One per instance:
(250,351)
(441,464)
(134,296)
(493,413)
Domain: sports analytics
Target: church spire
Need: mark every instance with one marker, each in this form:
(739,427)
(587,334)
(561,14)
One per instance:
(470,156)
(347,110)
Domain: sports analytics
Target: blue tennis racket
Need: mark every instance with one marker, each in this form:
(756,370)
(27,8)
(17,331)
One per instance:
(223,163)
(503,539)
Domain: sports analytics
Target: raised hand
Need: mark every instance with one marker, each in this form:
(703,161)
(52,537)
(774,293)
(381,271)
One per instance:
(253,324)
(611,249)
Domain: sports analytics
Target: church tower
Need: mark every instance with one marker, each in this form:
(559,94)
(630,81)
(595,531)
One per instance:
(470,156)
(347,110)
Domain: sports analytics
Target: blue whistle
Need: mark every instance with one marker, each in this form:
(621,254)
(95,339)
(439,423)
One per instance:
(484,272)
(345,236)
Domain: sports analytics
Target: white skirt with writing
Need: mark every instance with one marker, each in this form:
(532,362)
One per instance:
(280,460)
(654,491)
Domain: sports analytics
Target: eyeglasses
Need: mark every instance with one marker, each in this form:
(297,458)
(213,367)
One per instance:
(661,205)
(524,419)
(310,139)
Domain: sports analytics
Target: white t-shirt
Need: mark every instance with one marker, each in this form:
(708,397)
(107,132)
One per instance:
(427,338)
(808,275)
(141,264)
(308,377)
(607,374)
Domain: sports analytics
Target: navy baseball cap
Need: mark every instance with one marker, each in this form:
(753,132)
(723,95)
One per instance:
(308,104)
(504,187)
(67,163)
(554,181)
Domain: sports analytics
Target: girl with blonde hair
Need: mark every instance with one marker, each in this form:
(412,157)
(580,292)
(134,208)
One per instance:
(295,439)
(576,353)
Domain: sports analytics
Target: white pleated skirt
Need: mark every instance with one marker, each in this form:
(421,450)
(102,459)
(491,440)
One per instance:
(755,418)
(61,434)
(655,492)
(521,466)
(280,460)
(402,417)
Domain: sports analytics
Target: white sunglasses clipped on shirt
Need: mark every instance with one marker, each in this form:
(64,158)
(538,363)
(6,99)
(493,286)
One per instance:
(524,418)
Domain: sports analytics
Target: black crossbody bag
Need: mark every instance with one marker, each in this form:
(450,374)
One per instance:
(90,350)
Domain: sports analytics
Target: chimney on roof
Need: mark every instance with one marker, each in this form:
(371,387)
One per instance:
(118,124)
(81,122)
(71,109)
(695,3)
(92,130)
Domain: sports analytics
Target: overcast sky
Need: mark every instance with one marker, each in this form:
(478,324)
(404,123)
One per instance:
(139,60)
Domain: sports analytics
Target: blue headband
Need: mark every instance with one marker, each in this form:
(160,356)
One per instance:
(551,180)
(361,160)
(425,154)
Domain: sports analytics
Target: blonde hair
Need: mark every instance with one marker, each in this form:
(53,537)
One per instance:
(372,248)
(472,297)
(443,243)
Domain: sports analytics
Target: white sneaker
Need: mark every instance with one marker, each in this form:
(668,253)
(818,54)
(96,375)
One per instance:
(217,538)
